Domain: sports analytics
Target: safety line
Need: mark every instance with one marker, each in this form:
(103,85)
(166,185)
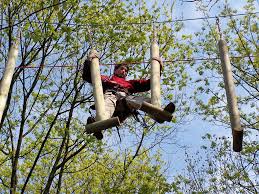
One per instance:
(134,62)
(144,23)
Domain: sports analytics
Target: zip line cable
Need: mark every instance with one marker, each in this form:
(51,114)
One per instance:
(169,21)
(134,62)
(142,23)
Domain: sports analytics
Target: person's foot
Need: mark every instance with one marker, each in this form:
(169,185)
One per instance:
(170,107)
(90,120)
(98,135)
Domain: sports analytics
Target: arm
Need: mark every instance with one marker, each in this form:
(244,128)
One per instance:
(140,85)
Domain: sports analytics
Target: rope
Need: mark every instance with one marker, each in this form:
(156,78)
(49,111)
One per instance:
(135,62)
(142,23)
(90,34)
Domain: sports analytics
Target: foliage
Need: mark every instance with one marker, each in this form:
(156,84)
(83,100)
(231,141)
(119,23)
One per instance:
(217,169)
(42,139)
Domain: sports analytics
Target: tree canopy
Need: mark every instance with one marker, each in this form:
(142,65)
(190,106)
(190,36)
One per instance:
(43,146)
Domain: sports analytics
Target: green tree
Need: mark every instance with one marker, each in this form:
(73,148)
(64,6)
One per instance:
(217,169)
(42,135)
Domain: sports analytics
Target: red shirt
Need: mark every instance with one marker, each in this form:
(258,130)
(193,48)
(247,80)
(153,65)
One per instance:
(121,84)
(117,83)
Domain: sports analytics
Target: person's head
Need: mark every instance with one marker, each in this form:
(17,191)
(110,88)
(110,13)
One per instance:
(121,70)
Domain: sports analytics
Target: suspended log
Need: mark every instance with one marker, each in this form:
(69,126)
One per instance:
(97,86)
(155,75)
(237,130)
(7,77)
(102,122)
(156,113)
(98,126)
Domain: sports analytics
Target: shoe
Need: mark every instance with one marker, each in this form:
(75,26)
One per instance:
(90,120)
(170,107)
(98,135)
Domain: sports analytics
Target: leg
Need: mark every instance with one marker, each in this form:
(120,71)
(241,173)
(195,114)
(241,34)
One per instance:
(135,102)
(110,100)
(110,104)
(158,114)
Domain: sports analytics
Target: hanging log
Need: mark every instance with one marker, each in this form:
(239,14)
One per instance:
(98,126)
(97,86)
(155,75)
(102,122)
(156,113)
(237,130)
(7,77)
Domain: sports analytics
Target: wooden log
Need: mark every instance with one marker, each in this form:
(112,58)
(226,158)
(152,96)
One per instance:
(98,126)
(156,113)
(237,140)
(102,122)
(155,75)
(5,82)
(97,86)
(237,130)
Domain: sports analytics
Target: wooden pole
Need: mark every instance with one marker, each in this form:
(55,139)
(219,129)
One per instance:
(7,76)
(102,122)
(155,75)
(156,113)
(237,130)
(98,126)
(97,86)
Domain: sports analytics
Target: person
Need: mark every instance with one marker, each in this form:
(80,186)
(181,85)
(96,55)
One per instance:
(119,93)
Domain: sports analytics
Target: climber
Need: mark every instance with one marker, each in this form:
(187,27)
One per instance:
(118,91)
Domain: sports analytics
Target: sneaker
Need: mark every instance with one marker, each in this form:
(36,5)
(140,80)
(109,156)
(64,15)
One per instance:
(90,120)
(98,135)
(170,107)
